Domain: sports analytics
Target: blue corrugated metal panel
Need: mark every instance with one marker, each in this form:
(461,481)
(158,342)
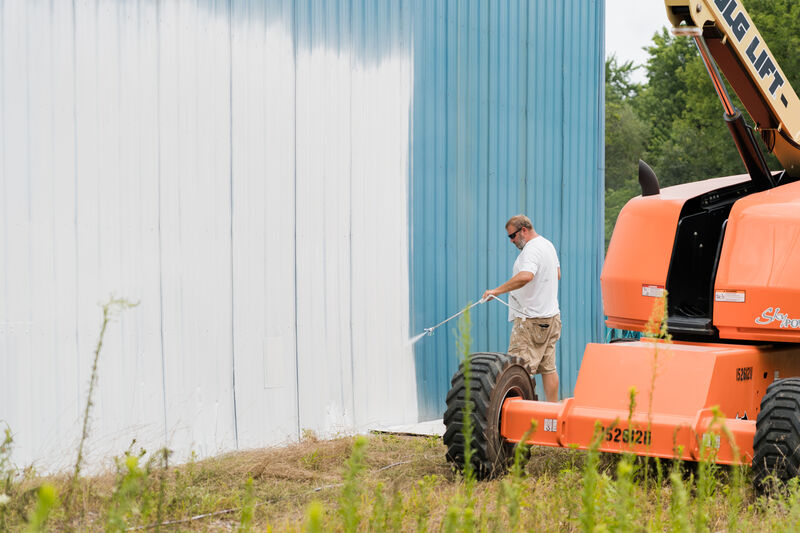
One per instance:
(507,118)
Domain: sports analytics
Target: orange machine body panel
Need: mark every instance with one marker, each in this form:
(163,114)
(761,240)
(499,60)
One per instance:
(678,386)
(760,260)
(638,257)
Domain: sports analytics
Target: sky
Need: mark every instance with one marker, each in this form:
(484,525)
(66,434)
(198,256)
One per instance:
(630,25)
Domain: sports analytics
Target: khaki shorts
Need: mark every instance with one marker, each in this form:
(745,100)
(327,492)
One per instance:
(534,340)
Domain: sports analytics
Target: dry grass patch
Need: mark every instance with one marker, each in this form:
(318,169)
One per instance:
(402,483)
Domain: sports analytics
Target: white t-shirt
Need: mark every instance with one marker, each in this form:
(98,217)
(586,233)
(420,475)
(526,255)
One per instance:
(539,297)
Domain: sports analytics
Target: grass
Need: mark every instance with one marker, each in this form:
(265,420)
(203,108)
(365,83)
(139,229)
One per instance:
(388,482)
(385,482)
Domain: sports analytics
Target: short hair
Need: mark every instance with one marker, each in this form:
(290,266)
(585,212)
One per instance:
(519,221)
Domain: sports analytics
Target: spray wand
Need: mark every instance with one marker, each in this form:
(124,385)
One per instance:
(429,331)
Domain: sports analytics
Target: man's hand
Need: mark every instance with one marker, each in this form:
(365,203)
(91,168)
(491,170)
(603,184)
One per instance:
(488,294)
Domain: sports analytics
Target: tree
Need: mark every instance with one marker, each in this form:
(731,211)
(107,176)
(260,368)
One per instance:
(675,121)
(626,132)
(626,139)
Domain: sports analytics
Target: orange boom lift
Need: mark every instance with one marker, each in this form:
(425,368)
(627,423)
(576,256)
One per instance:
(727,252)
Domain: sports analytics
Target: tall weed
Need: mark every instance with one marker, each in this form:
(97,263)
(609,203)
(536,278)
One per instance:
(46,501)
(351,492)
(248,507)
(112,308)
(460,515)
(128,490)
(314,517)
(512,487)
(7,474)
(420,500)
(463,347)
(591,477)
(380,515)
(679,502)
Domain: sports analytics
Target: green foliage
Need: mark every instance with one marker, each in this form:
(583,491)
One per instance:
(679,503)
(46,501)
(513,487)
(674,121)
(463,346)
(7,473)
(248,507)
(111,309)
(420,500)
(311,460)
(591,477)
(379,517)
(351,493)
(129,489)
(396,512)
(314,517)
(626,132)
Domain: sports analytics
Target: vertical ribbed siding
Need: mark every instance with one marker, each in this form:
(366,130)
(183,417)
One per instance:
(507,119)
(240,167)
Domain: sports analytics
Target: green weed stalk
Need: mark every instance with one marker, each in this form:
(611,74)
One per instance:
(248,507)
(659,510)
(625,503)
(463,346)
(656,328)
(314,517)
(624,511)
(735,490)
(461,513)
(420,499)
(793,514)
(130,485)
(351,493)
(396,511)
(679,502)
(46,501)
(706,481)
(380,515)
(164,454)
(7,474)
(591,477)
(451,520)
(112,308)
(512,487)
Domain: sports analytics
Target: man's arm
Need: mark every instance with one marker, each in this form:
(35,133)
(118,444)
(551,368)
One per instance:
(514,283)
(559,273)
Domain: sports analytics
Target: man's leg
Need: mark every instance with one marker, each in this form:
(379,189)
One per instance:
(550,378)
(550,382)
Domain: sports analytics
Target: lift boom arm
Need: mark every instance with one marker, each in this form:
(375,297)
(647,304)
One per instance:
(752,71)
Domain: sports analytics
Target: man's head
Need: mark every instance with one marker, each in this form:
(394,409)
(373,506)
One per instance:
(520,230)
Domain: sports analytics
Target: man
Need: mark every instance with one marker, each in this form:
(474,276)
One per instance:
(533,302)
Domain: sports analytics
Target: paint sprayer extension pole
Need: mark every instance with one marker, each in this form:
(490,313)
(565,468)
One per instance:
(429,331)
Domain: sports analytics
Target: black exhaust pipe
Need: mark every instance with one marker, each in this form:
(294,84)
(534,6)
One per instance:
(648,180)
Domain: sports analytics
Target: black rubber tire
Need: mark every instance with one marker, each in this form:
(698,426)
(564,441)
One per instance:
(494,377)
(776,446)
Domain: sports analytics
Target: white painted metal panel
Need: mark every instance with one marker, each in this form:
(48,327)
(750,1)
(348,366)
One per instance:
(323,224)
(240,169)
(264,223)
(194,100)
(383,362)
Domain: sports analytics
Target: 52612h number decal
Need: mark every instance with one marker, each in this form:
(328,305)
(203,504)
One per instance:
(635,436)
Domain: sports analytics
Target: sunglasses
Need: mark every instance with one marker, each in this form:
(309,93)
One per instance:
(513,235)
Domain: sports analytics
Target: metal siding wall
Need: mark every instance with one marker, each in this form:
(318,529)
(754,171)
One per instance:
(240,167)
(263,141)
(507,119)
